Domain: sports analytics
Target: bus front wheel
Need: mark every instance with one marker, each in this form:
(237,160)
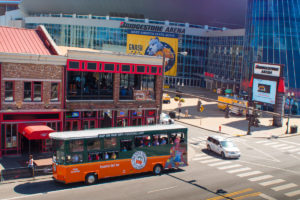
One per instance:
(91,178)
(157,170)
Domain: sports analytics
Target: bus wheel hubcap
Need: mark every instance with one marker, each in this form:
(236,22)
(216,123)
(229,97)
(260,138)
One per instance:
(157,170)
(91,179)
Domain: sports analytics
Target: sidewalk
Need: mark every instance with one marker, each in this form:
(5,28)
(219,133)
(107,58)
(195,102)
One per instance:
(214,119)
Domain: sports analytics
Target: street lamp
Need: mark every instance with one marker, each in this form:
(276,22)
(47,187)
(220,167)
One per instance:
(290,97)
(184,53)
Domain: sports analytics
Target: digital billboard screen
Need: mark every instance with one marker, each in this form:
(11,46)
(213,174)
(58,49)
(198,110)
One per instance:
(264,91)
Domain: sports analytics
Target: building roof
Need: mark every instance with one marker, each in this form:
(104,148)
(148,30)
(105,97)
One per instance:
(10,2)
(27,41)
(216,13)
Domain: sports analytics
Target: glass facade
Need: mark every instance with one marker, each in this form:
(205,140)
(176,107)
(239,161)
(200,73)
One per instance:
(224,61)
(272,36)
(190,68)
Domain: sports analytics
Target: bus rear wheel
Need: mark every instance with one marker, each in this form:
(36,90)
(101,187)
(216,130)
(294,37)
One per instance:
(90,179)
(157,170)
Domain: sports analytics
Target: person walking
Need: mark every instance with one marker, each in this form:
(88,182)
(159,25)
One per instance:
(31,165)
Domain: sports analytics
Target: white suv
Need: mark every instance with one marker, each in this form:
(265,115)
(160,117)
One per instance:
(222,146)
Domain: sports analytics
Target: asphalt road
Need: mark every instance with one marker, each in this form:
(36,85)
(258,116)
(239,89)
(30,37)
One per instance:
(267,169)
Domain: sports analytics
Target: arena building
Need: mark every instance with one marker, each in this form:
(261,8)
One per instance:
(217,57)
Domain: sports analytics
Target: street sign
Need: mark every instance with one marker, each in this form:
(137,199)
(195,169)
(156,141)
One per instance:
(201,108)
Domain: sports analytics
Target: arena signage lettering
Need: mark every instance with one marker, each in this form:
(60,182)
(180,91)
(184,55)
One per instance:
(267,69)
(156,28)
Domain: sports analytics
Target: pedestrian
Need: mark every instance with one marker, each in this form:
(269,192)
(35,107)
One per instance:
(31,165)
(186,113)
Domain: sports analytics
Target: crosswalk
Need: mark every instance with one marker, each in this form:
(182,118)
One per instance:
(289,189)
(200,142)
(281,146)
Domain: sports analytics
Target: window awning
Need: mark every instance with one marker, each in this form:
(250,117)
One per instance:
(37,132)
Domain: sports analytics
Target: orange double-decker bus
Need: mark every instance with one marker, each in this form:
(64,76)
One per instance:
(89,155)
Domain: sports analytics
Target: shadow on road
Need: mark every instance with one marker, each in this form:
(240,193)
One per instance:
(37,187)
(219,192)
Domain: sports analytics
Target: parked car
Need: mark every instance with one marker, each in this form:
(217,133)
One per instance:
(165,119)
(225,147)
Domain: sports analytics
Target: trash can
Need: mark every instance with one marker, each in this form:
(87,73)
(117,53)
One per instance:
(294,129)
(172,114)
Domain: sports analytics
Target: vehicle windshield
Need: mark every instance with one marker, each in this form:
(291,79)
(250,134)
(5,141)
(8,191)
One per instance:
(165,116)
(227,144)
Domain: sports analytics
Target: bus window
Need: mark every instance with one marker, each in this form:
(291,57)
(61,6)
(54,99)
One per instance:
(142,141)
(93,145)
(95,156)
(173,136)
(126,145)
(111,155)
(76,158)
(60,157)
(163,139)
(76,145)
(110,143)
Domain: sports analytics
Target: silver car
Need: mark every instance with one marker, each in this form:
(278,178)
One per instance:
(226,148)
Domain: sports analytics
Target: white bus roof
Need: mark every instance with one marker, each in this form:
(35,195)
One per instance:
(118,131)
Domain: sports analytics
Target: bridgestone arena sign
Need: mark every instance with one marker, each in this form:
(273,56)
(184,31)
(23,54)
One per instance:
(267,69)
(155,28)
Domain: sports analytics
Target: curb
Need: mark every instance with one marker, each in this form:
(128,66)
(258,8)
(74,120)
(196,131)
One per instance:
(24,180)
(238,135)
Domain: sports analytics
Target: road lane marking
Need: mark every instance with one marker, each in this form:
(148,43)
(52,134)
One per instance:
(209,161)
(261,141)
(285,148)
(293,193)
(158,190)
(219,163)
(202,158)
(279,145)
(199,155)
(249,174)
(266,197)
(276,181)
(238,170)
(294,150)
(229,166)
(231,194)
(262,152)
(260,178)
(282,169)
(248,195)
(271,143)
(284,187)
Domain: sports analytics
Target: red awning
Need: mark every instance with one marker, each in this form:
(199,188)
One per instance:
(37,132)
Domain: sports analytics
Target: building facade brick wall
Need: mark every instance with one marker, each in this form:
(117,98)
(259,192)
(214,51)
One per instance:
(20,73)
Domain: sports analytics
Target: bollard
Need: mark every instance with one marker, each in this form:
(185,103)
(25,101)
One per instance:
(220,128)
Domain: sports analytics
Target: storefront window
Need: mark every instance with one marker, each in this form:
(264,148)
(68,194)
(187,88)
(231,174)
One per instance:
(9,91)
(27,91)
(127,86)
(89,85)
(37,91)
(54,92)
(106,119)
(11,136)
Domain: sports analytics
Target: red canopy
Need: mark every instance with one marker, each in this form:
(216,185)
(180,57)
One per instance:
(37,132)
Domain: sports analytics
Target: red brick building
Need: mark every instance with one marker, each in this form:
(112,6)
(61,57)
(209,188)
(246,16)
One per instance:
(31,89)
(110,89)
(43,90)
